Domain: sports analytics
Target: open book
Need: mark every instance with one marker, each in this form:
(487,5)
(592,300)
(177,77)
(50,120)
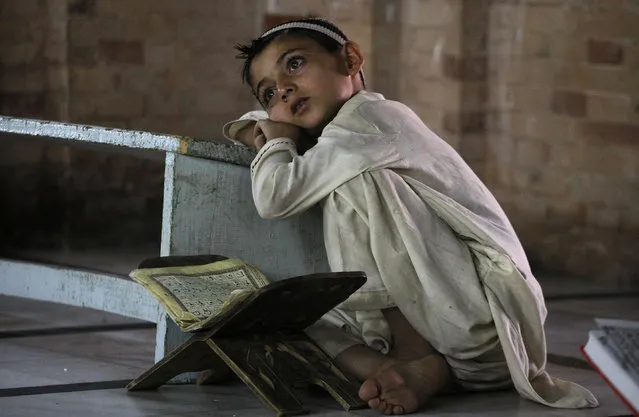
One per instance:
(194,296)
(613,351)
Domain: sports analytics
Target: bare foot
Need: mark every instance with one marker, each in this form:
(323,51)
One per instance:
(403,387)
(361,361)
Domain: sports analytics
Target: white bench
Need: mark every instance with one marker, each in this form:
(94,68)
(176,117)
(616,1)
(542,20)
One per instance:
(208,209)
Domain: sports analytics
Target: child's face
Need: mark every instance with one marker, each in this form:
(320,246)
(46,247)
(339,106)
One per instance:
(299,82)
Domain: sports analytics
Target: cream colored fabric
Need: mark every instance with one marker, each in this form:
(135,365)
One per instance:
(401,204)
(231,129)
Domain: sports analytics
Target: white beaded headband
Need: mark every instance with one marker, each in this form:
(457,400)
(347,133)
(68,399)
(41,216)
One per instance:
(307,25)
(311,26)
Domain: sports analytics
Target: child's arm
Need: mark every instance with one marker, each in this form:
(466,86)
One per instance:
(240,131)
(286,183)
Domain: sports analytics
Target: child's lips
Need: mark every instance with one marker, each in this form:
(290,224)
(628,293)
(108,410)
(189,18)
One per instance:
(299,106)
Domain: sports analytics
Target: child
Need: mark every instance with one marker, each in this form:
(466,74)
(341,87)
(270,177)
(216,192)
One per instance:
(450,300)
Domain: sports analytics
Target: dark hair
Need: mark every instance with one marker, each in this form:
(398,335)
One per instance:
(249,51)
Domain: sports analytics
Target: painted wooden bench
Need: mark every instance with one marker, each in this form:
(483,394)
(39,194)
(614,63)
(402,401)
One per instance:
(208,208)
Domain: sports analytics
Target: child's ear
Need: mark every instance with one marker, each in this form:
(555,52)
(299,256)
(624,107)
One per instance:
(353,58)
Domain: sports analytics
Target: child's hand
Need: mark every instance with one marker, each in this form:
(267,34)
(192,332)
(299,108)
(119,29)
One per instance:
(246,135)
(266,130)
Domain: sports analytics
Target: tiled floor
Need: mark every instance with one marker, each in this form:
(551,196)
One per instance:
(236,400)
(63,361)
(78,373)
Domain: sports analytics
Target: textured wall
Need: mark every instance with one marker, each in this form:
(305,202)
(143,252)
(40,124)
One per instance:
(564,131)
(33,83)
(430,80)
(33,61)
(164,66)
(443,71)
(541,97)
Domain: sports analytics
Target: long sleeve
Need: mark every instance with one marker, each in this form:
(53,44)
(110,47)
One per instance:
(286,183)
(231,128)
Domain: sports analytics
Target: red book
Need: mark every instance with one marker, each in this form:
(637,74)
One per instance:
(613,354)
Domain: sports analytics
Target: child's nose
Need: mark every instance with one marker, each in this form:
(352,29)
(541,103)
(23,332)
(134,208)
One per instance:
(284,92)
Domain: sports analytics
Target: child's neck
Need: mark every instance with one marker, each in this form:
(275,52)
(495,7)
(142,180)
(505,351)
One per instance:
(317,131)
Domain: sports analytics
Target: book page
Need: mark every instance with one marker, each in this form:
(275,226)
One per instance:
(235,299)
(193,293)
(204,294)
(606,363)
(622,337)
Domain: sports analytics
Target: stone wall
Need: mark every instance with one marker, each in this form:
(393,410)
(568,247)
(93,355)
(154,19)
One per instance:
(163,66)
(443,69)
(541,97)
(33,58)
(430,63)
(33,83)
(564,131)
(542,100)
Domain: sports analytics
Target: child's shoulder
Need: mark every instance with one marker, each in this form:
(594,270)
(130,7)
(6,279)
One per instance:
(369,110)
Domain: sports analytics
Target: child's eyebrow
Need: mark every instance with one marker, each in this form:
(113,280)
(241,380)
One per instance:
(277,63)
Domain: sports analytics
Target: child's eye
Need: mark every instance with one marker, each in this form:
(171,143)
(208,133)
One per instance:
(267,95)
(295,63)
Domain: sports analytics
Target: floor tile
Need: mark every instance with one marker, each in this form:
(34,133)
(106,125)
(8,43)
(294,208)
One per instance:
(121,355)
(103,356)
(236,400)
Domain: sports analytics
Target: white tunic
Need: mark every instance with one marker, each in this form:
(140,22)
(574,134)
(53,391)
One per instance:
(401,205)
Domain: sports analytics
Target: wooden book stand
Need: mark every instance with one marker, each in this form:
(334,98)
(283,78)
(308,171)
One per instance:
(263,342)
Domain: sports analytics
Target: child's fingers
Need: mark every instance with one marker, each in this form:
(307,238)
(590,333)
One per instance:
(260,140)
(257,129)
(246,135)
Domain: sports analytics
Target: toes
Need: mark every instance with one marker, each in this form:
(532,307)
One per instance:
(403,401)
(385,407)
(369,390)
(374,404)
(397,390)
(389,409)
(390,404)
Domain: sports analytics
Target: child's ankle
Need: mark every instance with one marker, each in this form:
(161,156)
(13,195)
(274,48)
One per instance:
(360,361)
